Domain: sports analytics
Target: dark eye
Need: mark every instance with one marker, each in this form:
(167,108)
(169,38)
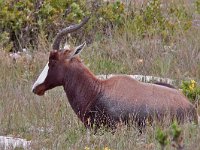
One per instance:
(52,62)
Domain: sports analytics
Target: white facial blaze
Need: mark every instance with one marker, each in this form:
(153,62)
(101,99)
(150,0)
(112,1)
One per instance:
(41,77)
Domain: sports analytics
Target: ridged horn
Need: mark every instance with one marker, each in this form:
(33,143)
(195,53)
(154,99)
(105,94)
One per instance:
(72,28)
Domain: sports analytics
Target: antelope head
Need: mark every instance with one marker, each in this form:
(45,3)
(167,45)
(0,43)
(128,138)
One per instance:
(54,72)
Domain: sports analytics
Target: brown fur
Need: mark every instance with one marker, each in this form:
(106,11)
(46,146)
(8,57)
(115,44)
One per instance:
(119,99)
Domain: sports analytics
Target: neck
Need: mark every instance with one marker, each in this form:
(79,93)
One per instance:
(82,88)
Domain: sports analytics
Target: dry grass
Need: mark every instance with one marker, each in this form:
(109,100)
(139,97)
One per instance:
(178,59)
(49,121)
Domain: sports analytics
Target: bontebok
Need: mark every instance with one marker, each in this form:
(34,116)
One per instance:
(110,102)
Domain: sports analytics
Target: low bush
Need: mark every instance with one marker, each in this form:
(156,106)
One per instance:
(23,21)
(191,89)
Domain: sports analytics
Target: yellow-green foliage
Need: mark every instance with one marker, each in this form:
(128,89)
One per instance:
(156,19)
(162,138)
(19,18)
(15,14)
(191,89)
(112,12)
(176,131)
(171,136)
(197,4)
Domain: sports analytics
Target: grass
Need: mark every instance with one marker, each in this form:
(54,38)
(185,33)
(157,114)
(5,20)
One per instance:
(50,122)
(178,59)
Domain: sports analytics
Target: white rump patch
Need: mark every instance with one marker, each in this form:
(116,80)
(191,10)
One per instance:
(42,76)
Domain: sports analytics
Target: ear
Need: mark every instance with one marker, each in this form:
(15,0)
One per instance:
(78,49)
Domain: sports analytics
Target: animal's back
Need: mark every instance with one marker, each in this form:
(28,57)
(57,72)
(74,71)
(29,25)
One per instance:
(124,96)
(126,89)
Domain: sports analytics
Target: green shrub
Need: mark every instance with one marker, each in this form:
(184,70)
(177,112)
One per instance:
(149,20)
(182,18)
(162,138)
(172,136)
(24,20)
(191,90)
(112,12)
(197,4)
(153,20)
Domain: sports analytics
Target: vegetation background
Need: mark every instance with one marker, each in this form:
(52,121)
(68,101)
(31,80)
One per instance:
(155,37)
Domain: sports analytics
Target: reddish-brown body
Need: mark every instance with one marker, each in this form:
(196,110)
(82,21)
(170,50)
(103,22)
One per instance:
(115,100)
(119,99)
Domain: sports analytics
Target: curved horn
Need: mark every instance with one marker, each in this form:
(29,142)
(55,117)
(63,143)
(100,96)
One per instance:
(67,30)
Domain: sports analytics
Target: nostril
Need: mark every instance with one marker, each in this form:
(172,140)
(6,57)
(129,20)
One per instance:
(33,90)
